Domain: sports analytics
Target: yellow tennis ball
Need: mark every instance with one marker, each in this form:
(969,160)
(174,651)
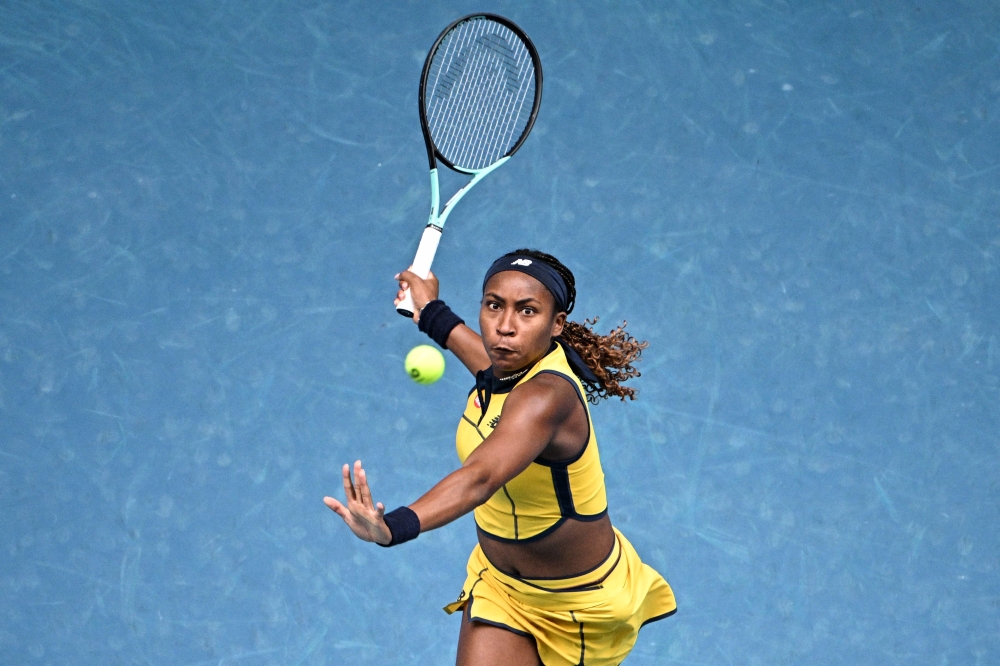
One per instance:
(424,364)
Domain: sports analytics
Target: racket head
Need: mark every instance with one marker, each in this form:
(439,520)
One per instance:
(480,91)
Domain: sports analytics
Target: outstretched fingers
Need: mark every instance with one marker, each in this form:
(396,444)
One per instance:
(348,484)
(360,512)
(364,492)
(341,510)
(337,507)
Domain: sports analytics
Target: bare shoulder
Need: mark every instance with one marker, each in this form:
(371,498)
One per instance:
(545,395)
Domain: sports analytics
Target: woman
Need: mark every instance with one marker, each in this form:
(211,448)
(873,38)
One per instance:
(551,581)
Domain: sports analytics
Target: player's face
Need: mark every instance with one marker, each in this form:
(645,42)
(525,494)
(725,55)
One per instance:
(518,320)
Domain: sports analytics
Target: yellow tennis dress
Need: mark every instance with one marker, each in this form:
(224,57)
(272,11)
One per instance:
(591,619)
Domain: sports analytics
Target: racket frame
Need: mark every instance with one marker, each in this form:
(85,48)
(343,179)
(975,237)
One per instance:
(433,154)
(431,236)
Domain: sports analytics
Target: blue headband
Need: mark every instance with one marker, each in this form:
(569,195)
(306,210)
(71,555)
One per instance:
(541,271)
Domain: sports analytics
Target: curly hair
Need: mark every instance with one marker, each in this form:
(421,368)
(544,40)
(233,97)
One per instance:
(610,356)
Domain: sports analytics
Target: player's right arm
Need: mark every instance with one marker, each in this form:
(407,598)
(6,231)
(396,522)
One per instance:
(463,342)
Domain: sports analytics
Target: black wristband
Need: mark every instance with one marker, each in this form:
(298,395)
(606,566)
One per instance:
(404,525)
(437,320)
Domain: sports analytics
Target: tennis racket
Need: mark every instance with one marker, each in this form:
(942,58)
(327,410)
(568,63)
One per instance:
(479,95)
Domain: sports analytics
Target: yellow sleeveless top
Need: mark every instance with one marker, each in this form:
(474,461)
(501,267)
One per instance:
(539,499)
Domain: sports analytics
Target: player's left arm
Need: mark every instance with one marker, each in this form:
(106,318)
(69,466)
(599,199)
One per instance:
(532,416)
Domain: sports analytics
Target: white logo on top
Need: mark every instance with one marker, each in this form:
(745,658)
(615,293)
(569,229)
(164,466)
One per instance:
(521,262)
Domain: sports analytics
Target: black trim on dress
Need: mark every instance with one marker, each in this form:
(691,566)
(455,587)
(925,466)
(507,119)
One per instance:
(544,533)
(657,618)
(579,588)
(492,623)
(590,426)
(575,575)
(469,421)
(593,585)
(564,494)
(513,509)
(541,535)
(583,644)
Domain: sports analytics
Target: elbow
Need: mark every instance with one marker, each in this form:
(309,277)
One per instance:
(482,485)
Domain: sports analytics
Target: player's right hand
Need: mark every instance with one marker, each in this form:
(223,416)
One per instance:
(423,290)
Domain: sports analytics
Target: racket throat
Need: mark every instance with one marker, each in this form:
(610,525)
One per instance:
(445,211)
(435,201)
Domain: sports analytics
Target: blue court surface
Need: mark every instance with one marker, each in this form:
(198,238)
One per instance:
(203,205)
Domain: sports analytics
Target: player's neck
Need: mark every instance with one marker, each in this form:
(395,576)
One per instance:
(513,375)
(510,376)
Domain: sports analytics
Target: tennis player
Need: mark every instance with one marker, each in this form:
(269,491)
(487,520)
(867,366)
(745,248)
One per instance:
(551,581)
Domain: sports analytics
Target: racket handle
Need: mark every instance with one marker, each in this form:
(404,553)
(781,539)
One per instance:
(421,265)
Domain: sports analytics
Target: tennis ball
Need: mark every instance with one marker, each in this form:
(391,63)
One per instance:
(424,364)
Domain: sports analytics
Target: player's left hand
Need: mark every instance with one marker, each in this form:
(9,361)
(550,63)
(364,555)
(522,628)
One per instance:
(362,515)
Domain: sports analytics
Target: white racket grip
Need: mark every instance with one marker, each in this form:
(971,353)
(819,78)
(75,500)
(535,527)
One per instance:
(426,250)
(421,265)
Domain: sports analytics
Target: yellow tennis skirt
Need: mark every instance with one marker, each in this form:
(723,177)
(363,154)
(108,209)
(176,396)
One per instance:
(592,619)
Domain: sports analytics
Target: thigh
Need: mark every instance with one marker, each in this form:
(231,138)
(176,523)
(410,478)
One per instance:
(486,645)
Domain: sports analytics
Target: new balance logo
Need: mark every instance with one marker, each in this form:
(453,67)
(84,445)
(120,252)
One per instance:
(521,262)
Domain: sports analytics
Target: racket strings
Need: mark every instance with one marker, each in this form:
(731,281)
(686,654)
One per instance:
(496,44)
(459,79)
(485,140)
(463,114)
(489,116)
(481,79)
(476,90)
(491,150)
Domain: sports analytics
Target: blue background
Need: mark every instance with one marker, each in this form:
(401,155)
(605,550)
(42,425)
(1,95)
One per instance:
(202,207)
